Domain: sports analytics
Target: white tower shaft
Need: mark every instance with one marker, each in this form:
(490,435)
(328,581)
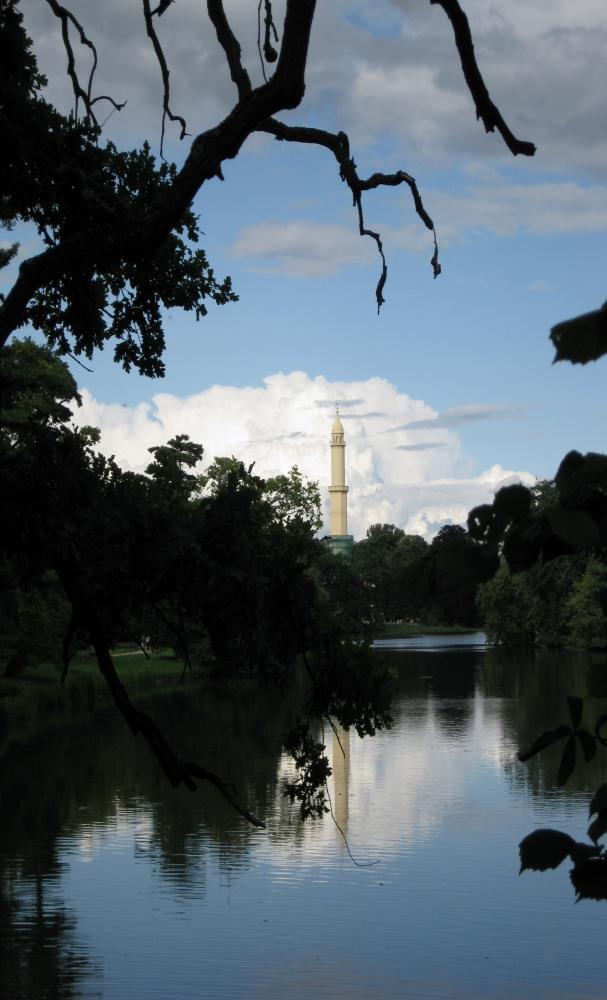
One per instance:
(338,491)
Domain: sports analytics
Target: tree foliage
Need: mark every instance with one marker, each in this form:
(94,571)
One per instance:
(228,562)
(568,526)
(119,236)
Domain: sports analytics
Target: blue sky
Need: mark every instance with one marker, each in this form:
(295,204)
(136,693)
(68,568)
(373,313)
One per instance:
(522,247)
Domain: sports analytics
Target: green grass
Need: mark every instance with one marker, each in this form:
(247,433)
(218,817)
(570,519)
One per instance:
(37,696)
(404,630)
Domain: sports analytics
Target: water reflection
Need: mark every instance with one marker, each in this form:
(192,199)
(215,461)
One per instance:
(114,883)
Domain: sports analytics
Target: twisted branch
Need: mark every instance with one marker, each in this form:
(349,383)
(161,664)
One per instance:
(148,14)
(66,17)
(230,45)
(485,108)
(177,772)
(339,145)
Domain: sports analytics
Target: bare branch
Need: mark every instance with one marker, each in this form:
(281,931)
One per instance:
(66,17)
(225,789)
(267,51)
(339,144)
(485,108)
(177,772)
(230,45)
(148,15)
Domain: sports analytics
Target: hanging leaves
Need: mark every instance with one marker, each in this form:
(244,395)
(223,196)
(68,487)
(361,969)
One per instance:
(544,849)
(543,741)
(581,339)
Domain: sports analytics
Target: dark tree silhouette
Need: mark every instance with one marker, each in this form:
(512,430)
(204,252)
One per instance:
(118,230)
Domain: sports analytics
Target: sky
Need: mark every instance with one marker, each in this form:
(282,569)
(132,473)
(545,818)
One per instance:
(451,391)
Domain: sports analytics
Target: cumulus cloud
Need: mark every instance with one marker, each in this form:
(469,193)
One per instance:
(286,421)
(308,249)
(508,209)
(303,248)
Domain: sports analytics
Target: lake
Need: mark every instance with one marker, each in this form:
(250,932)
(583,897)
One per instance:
(114,885)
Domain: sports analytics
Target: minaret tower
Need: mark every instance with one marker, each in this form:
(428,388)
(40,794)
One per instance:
(340,541)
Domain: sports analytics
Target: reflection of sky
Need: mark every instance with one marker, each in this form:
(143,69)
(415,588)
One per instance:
(441,914)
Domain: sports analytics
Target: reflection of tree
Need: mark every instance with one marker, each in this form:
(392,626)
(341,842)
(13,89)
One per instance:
(87,765)
(533,686)
(40,956)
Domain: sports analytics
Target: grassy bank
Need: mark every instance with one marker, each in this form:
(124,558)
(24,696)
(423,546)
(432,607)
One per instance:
(404,630)
(37,697)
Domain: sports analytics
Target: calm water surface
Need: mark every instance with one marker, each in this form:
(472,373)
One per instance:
(114,885)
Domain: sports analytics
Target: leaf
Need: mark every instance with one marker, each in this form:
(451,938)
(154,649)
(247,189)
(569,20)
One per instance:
(543,741)
(590,879)
(576,707)
(573,527)
(599,800)
(598,827)
(514,502)
(600,722)
(544,849)
(481,523)
(579,853)
(588,744)
(581,339)
(567,762)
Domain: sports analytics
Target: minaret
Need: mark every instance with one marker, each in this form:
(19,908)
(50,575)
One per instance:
(340,541)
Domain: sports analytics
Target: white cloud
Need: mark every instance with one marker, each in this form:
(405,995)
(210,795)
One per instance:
(507,209)
(303,248)
(287,422)
(309,249)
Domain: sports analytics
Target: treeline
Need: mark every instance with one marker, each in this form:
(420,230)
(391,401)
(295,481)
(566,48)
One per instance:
(559,603)
(431,583)
(224,566)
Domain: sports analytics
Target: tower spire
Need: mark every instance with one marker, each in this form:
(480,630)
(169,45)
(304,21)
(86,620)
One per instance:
(340,541)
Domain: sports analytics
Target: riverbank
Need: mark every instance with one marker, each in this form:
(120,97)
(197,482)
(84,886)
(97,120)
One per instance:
(37,697)
(405,630)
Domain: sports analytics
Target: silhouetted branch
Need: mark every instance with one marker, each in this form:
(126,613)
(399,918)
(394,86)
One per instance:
(266,50)
(66,17)
(230,45)
(148,15)
(283,91)
(339,144)
(225,789)
(485,108)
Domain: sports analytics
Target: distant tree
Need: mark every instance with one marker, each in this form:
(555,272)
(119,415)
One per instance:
(503,604)
(448,576)
(585,608)
(222,561)
(382,559)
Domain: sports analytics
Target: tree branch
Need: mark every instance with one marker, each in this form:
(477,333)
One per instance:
(225,789)
(485,108)
(230,45)
(148,15)
(177,772)
(66,16)
(339,144)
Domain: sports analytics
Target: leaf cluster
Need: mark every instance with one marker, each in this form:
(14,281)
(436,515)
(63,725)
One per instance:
(89,202)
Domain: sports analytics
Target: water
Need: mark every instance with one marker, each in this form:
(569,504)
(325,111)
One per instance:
(114,885)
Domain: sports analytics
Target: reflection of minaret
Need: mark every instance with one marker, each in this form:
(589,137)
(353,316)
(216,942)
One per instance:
(340,541)
(341,776)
